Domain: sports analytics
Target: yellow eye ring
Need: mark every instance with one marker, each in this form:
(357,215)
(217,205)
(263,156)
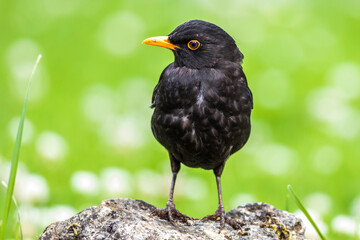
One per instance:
(193,44)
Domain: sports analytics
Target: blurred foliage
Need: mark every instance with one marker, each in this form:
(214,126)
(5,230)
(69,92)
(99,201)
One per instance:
(88,109)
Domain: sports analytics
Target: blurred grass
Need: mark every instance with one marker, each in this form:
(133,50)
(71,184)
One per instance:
(6,205)
(292,51)
(13,223)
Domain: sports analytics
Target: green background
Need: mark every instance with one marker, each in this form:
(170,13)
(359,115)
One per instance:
(88,119)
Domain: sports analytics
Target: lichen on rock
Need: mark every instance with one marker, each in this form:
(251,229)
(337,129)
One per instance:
(133,219)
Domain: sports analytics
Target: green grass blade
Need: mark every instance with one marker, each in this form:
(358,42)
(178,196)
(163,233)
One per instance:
(15,157)
(18,232)
(306,213)
(14,215)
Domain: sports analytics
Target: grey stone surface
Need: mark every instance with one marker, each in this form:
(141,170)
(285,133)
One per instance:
(133,219)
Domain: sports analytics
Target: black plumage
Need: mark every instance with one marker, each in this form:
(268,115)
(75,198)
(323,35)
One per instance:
(202,104)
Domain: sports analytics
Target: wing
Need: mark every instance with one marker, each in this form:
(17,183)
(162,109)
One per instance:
(247,105)
(244,82)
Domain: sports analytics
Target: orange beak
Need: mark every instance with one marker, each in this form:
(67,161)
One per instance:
(162,41)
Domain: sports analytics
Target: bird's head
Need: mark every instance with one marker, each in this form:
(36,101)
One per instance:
(199,44)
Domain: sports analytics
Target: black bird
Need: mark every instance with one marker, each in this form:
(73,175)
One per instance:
(202,105)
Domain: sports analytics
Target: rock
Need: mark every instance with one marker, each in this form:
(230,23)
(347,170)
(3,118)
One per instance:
(133,219)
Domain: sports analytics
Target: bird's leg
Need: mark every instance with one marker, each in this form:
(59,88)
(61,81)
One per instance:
(170,212)
(220,211)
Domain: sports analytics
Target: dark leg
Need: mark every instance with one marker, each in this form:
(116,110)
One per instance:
(220,212)
(170,212)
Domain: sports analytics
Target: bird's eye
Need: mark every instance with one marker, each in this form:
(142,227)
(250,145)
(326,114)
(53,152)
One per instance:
(193,44)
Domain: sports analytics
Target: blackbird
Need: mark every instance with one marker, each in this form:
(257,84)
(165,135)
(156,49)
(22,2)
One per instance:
(202,105)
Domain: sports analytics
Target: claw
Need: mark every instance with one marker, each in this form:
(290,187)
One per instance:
(220,214)
(171,214)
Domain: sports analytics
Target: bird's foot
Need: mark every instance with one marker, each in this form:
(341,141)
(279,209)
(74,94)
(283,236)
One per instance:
(220,214)
(171,214)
